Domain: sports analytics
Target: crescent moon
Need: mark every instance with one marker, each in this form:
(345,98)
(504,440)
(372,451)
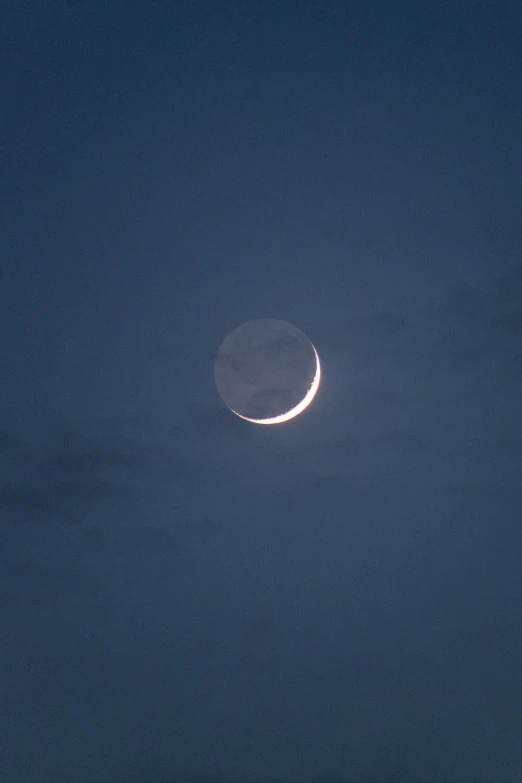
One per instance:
(299,408)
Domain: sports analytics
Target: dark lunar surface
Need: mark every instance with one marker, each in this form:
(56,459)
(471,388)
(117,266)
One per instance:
(264,368)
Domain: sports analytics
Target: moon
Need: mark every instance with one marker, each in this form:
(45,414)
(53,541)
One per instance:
(267,371)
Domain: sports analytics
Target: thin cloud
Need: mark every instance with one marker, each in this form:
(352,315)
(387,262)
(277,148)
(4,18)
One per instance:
(496,305)
(404,439)
(58,499)
(141,539)
(88,462)
(25,501)
(14,453)
(209,420)
(32,576)
(10,443)
(67,480)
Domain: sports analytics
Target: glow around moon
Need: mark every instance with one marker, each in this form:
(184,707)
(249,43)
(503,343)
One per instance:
(267,371)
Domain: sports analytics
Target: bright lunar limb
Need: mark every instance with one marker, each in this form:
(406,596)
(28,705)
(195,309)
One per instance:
(299,408)
(267,371)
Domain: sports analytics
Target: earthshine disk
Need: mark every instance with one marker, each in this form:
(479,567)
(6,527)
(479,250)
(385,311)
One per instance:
(267,371)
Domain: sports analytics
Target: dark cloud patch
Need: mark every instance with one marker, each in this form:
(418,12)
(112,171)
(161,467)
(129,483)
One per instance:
(462,300)
(157,772)
(510,322)
(209,421)
(503,303)
(143,490)
(384,323)
(82,7)
(404,439)
(496,303)
(151,767)
(31,576)
(478,327)
(172,463)
(132,538)
(9,442)
(508,444)
(25,501)
(14,453)
(74,495)
(68,478)
(89,462)
(204,528)
(150,773)
(146,539)
(373,120)
(59,499)
(120,426)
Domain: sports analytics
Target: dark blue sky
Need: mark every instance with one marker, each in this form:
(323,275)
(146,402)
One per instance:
(186,597)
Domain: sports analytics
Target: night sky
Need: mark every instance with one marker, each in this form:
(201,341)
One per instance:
(189,598)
